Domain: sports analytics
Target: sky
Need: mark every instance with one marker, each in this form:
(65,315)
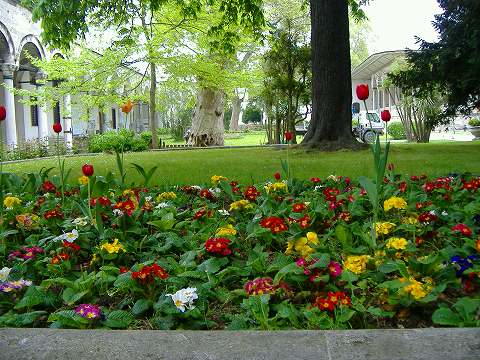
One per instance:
(395,23)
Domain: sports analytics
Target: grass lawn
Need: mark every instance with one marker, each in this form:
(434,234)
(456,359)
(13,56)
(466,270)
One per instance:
(233,139)
(258,164)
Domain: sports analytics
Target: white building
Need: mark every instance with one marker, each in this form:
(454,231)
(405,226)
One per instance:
(19,36)
(372,72)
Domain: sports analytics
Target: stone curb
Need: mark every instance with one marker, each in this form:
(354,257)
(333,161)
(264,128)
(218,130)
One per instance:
(414,344)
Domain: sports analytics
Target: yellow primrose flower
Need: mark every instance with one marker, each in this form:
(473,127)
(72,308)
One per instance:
(356,263)
(217,178)
(300,246)
(240,205)
(170,195)
(384,228)
(312,237)
(226,231)
(113,248)
(11,201)
(415,288)
(83,180)
(394,203)
(275,187)
(410,220)
(397,243)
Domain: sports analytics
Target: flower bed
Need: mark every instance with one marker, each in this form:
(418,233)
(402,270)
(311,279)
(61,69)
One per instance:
(284,254)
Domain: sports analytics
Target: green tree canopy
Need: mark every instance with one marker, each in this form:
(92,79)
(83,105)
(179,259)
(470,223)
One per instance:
(452,64)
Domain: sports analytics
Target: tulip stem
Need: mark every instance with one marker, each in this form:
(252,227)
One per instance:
(61,168)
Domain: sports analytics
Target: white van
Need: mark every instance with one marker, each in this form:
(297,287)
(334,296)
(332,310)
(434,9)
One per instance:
(366,128)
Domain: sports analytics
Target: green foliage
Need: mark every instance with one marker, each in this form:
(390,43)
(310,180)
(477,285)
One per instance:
(287,78)
(474,122)
(252,114)
(435,66)
(420,111)
(396,131)
(63,23)
(464,313)
(123,139)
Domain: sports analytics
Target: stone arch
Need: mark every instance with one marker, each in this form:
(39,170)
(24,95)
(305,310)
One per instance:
(31,44)
(7,48)
(58,54)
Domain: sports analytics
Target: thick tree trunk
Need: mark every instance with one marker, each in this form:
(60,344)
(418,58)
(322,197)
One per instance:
(331,124)
(207,124)
(236,109)
(152,118)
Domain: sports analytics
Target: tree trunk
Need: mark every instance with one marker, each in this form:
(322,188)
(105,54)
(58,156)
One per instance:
(331,124)
(207,123)
(236,109)
(278,126)
(152,104)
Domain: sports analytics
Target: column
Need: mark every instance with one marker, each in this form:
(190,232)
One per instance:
(67,121)
(10,121)
(372,89)
(42,111)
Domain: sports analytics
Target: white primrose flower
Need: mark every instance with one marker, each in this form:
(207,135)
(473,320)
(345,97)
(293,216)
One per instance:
(196,187)
(148,198)
(80,221)
(117,212)
(4,274)
(183,299)
(257,217)
(444,213)
(71,236)
(432,212)
(215,191)
(162,205)
(223,212)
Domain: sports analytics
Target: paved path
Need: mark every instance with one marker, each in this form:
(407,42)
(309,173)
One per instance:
(419,344)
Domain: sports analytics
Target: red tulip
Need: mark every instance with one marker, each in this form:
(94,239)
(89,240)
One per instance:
(362,92)
(386,116)
(57,127)
(3,113)
(277,176)
(87,170)
(288,135)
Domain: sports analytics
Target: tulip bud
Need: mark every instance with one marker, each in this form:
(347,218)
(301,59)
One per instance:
(385,115)
(57,128)
(277,176)
(288,135)
(127,107)
(362,92)
(87,170)
(3,113)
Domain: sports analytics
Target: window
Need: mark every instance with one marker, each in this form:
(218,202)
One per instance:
(114,118)
(56,113)
(34,112)
(373,117)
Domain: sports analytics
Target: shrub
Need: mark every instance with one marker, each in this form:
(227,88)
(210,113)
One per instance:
(117,141)
(252,114)
(474,122)
(396,131)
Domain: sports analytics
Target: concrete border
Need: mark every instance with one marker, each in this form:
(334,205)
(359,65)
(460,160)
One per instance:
(412,344)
